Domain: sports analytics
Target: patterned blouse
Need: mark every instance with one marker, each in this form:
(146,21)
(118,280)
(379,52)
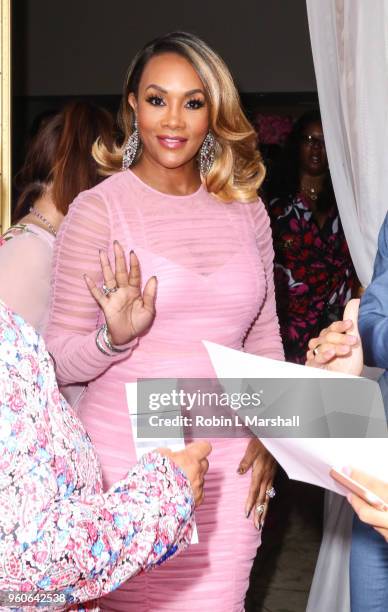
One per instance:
(58,530)
(314,274)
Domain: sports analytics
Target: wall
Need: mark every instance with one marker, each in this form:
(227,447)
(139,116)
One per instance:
(82,47)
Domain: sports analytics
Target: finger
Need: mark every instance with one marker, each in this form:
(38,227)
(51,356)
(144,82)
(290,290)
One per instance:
(199,499)
(134,278)
(340,326)
(351,313)
(254,490)
(333,338)
(95,291)
(120,265)
(109,278)
(375,485)
(249,457)
(204,465)
(321,358)
(199,449)
(336,338)
(265,487)
(262,505)
(340,350)
(149,293)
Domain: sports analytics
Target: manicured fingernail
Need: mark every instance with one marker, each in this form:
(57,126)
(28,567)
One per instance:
(247,513)
(241,469)
(131,251)
(259,526)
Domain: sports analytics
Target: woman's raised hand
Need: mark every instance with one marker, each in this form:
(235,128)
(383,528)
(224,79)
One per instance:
(338,347)
(128,312)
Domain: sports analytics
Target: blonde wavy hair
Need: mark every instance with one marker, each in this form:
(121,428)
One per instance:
(238,169)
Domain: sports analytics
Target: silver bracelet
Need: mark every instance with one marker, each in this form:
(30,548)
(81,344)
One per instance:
(99,343)
(108,343)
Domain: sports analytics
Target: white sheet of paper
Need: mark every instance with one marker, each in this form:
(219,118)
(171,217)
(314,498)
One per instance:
(306,459)
(145,445)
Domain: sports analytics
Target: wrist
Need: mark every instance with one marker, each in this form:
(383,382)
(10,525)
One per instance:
(112,342)
(107,347)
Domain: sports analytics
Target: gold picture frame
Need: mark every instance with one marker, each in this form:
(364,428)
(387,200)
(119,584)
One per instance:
(5,115)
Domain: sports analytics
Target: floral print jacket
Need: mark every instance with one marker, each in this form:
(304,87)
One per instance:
(58,530)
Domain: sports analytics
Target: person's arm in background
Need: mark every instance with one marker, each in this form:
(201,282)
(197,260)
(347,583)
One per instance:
(60,537)
(263,338)
(25,270)
(373,316)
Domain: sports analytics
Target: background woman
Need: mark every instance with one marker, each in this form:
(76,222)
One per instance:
(58,166)
(314,275)
(188,207)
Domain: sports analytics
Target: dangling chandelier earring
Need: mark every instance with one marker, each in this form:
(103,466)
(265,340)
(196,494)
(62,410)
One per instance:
(131,147)
(207,154)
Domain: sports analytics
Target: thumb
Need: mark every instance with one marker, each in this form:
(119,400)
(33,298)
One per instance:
(351,313)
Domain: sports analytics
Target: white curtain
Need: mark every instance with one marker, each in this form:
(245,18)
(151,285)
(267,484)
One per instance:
(349,40)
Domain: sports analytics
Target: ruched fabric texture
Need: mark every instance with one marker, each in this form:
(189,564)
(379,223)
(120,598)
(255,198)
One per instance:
(214,264)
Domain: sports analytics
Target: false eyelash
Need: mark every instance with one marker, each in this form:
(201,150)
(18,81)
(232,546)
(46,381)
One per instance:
(200,103)
(152,98)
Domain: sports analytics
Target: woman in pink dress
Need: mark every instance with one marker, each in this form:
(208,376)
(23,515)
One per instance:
(186,203)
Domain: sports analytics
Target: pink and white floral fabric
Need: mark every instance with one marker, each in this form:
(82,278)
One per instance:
(58,530)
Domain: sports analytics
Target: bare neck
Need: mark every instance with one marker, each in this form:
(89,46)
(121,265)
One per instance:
(173,181)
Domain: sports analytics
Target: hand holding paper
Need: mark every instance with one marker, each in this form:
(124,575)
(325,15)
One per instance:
(310,459)
(338,348)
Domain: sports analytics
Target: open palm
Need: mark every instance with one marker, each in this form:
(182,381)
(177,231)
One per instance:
(128,311)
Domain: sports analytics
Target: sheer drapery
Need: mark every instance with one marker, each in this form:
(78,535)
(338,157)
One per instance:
(350,51)
(349,42)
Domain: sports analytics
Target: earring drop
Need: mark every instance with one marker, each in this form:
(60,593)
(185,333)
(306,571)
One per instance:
(207,154)
(131,148)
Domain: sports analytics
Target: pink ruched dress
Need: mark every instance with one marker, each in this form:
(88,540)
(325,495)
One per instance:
(214,266)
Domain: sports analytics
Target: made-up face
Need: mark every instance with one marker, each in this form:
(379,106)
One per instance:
(172,111)
(313,159)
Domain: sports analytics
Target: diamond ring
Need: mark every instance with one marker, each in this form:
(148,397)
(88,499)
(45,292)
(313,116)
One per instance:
(106,290)
(270,492)
(260,509)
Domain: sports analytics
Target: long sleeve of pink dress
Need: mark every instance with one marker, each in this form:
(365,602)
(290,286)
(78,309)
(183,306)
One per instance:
(214,263)
(58,530)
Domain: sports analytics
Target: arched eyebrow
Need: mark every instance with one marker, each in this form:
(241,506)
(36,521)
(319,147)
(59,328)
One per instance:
(187,93)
